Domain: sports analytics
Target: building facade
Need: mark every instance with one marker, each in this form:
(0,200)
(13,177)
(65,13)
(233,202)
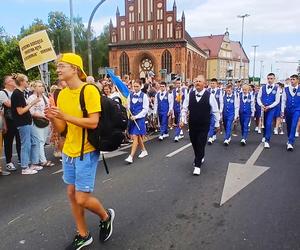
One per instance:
(149,40)
(227,59)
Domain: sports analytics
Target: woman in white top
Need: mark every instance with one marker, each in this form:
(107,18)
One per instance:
(40,123)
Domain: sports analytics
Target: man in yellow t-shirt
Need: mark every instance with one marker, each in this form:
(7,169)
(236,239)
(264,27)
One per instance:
(79,174)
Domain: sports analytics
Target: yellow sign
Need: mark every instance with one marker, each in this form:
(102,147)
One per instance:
(36,49)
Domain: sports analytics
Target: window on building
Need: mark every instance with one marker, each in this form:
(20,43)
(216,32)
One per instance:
(114,37)
(160,14)
(131,33)
(124,64)
(149,10)
(131,17)
(140,10)
(150,31)
(166,61)
(169,30)
(160,31)
(123,34)
(141,33)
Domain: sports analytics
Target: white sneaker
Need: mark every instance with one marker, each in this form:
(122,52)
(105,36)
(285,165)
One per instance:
(28,171)
(297,134)
(275,131)
(160,138)
(202,161)
(10,167)
(256,129)
(263,140)
(259,131)
(214,137)
(266,145)
(196,171)
(210,140)
(165,135)
(36,167)
(143,154)
(181,132)
(229,140)
(243,142)
(281,132)
(180,137)
(129,159)
(289,147)
(176,139)
(226,142)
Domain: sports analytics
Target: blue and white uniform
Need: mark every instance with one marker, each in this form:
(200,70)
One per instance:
(178,99)
(230,113)
(268,96)
(257,113)
(246,111)
(163,105)
(138,104)
(218,94)
(291,108)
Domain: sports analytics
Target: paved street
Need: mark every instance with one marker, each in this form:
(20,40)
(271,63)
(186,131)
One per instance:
(159,204)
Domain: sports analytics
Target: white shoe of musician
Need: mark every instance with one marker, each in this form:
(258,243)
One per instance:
(197,171)
(143,154)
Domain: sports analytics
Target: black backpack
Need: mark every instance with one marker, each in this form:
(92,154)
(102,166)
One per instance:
(113,122)
(7,110)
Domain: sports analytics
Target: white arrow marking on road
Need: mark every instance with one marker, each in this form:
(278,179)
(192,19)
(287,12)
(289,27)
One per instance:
(241,175)
(179,150)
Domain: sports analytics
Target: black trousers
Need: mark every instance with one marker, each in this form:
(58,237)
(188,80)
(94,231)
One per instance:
(198,137)
(12,132)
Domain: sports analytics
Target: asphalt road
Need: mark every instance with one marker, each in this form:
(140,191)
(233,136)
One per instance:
(159,204)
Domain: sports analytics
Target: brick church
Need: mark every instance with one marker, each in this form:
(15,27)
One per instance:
(149,40)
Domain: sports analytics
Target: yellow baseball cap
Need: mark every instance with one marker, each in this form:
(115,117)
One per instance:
(73,59)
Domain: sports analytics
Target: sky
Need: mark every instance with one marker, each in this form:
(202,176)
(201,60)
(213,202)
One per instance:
(273,25)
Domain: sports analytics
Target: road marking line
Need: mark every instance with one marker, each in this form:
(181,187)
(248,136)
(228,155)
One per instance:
(179,150)
(17,218)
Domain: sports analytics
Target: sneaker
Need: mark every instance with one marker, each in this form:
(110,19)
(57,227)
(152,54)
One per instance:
(143,154)
(297,134)
(202,161)
(106,227)
(266,145)
(160,138)
(28,171)
(129,159)
(275,131)
(243,142)
(36,167)
(259,131)
(214,137)
(210,141)
(289,147)
(4,173)
(234,135)
(80,242)
(281,132)
(226,142)
(256,129)
(180,137)
(176,139)
(197,171)
(10,167)
(263,140)
(181,132)
(165,135)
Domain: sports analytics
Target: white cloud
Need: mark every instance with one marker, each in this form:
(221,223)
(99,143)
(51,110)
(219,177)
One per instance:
(98,24)
(213,16)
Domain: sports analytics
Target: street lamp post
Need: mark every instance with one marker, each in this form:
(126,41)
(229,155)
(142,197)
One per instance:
(254,47)
(242,40)
(72,26)
(89,37)
(261,70)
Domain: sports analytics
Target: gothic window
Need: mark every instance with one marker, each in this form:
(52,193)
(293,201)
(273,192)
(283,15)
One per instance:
(124,64)
(166,61)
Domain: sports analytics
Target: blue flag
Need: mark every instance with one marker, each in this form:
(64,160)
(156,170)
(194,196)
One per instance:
(118,82)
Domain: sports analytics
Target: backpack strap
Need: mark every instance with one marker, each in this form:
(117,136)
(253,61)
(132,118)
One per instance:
(85,114)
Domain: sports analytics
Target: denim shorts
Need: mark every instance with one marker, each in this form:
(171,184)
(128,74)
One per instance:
(82,174)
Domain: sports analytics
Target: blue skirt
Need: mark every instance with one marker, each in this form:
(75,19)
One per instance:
(133,129)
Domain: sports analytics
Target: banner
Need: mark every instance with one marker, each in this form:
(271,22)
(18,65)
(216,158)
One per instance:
(36,49)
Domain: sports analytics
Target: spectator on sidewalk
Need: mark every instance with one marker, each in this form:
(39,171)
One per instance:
(2,131)
(29,140)
(40,123)
(12,131)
